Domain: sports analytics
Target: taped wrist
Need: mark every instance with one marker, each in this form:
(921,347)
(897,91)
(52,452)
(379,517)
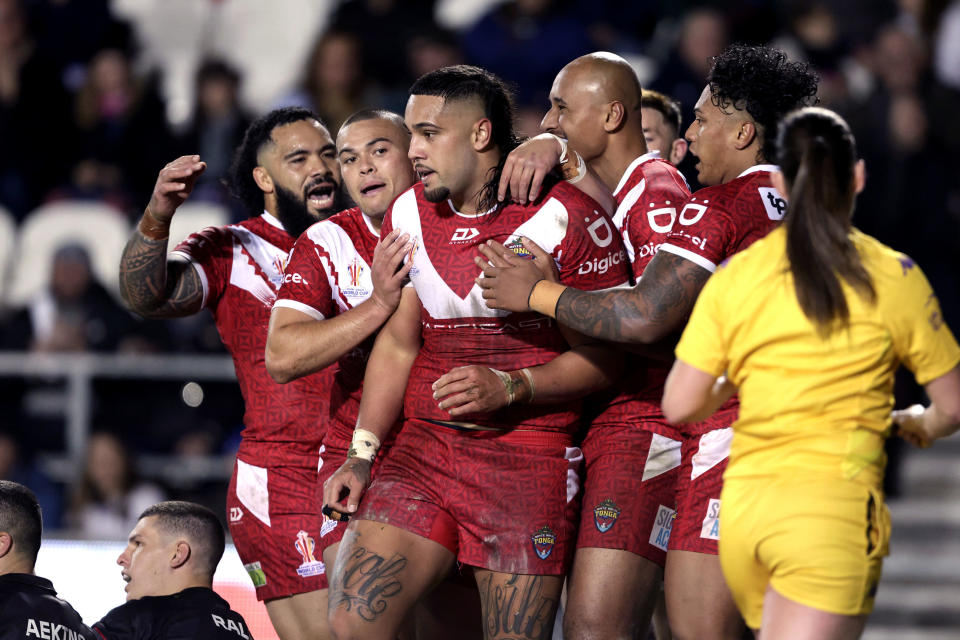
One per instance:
(364,445)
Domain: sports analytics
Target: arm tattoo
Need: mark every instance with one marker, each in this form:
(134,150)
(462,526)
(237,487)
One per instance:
(518,608)
(657,306)
(365,582)
(152,287)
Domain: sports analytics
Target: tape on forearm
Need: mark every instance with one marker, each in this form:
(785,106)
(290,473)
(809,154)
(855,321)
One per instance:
(364,445)
(153,228)
(545,296)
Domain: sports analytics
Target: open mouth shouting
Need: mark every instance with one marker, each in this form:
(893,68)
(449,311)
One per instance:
(321,194)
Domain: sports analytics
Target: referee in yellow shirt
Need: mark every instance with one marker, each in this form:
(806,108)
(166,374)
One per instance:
(809,325)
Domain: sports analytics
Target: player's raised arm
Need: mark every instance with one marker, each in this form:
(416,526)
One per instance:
(527,166)
(149,284)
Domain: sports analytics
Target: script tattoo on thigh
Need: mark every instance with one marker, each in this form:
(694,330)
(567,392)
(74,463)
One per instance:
(517,608)
(367,581)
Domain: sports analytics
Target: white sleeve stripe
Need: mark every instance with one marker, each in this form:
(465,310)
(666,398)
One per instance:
(689,255)
(180,255)
(299,306)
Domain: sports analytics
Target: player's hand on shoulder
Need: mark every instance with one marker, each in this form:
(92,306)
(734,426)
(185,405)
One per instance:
(342,490)
(527,166)
(470,389)
(174,185)
(507,279)
(388,270)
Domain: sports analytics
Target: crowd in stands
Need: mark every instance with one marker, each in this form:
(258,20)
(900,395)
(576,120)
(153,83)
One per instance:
(84,117)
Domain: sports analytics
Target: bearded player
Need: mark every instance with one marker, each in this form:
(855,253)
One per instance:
(287,175)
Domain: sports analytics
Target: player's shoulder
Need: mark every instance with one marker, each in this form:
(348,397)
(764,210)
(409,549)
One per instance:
(344,222)
(661,176)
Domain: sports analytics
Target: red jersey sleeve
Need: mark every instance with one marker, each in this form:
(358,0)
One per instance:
(591,255)
(703,233)
(306,280)
(210,251)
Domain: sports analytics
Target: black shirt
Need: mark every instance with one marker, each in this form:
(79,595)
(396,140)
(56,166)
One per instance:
(30,608)
(196,612)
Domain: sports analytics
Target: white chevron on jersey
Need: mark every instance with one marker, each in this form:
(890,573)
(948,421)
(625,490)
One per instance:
(547,227)
(349,275)
(269,258)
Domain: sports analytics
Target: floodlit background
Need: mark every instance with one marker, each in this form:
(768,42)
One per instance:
(103,414)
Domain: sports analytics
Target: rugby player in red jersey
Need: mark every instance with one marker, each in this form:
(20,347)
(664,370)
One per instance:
(287,175)
(749,89)
(493,492)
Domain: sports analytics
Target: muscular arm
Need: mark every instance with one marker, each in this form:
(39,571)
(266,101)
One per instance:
(384,386)
(298,344)
(154,287)
(658,305)
(649,312)
(149,284)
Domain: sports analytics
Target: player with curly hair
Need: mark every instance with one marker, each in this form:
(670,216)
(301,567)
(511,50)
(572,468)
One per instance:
(749,89)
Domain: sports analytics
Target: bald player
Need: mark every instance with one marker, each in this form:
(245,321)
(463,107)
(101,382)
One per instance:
(632,455)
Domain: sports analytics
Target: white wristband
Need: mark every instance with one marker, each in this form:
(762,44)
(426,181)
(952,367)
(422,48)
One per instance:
(508,384)
(364,445)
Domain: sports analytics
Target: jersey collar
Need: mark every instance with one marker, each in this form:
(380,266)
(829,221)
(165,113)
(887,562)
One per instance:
(760,167)
(271,220)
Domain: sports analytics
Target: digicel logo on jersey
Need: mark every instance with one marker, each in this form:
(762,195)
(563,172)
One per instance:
(602,265)
(295,278)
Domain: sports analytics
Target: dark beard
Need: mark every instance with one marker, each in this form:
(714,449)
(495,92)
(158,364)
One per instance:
(440,194)
(294,215)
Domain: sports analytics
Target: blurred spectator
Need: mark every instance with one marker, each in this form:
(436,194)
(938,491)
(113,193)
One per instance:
(217,126)
(109,497)
(72,31)
(526,42)
(123,129)
(334,85)
(15,466)
(430,50)
(813,35)
(383,29)
(75,313)
(703,34)
(33,117)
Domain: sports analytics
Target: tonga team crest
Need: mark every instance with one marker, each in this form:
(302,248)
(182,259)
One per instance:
(305,546)
(605,515)
(543,541)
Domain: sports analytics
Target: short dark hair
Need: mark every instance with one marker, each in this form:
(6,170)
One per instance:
(375,114)
(195,522)
(763,82)
(466,82)
(21,517)
(670,108)
(239,178)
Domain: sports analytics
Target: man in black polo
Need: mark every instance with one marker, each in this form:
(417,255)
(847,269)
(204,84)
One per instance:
(168,566)
(29,606)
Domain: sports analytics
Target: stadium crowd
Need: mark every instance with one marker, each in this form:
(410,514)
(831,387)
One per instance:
(497,342)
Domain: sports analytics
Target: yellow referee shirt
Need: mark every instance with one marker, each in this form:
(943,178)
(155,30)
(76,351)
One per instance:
(811,405)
